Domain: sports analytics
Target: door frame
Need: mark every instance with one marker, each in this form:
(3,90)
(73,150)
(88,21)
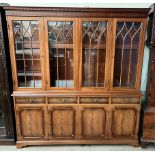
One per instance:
(75,52)
(140,54)
(107,62)
(10,20)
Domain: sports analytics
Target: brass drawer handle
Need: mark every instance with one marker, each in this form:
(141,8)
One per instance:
(30,100)
(126,100)
(96,100)
(63,100)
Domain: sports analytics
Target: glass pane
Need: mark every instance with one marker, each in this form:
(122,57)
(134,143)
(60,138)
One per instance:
(126,53)
(27,48)
(61,54)
(94,54)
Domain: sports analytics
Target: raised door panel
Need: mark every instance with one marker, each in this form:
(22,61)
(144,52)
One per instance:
(62,121)
(92,121)
(124,122)
(30,122)
(128,47)
(26,52)
(95,37)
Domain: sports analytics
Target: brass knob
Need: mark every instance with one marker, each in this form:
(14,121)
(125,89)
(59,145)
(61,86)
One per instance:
(30,100)
(63,100)
(96,100)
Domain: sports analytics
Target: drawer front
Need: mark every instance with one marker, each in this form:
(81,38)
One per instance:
(128,100)
(96,100)
(21,100)
(62,100)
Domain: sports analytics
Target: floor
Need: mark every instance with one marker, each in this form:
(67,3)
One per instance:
(150,147)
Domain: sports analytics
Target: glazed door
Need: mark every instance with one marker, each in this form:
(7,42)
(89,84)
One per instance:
(30,122)
(60,40)
(94,44)
(127,53)
(26,52)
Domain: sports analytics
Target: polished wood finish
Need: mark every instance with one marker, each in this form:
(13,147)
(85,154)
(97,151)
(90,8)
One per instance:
(78,104)
(63,121)
(125,121)
(6,105)
(77,12)
(30,121)
(93,121)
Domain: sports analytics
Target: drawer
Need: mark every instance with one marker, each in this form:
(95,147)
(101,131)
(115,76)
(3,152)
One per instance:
(62,100)
(96,100)
(129,100)
(30,100)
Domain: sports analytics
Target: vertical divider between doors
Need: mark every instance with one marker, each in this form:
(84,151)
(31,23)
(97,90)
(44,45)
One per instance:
(75,54)
(108,54)
(43,50)
(79,70)
(79,44)
(112,51)
(47,67)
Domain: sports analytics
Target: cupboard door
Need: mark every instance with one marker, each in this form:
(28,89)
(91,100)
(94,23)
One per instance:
(30,122)
(124,121)
(26,56)
(128,53)
(61,53)
(92,121)
(94,42)
(62,121)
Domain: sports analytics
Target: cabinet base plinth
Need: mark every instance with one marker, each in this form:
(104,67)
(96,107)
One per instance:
(145,142)
(21,144)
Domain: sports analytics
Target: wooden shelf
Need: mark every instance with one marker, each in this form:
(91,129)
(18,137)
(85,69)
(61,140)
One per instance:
(29,74)
(61,45)
(28,59)
(30,84)
(28,45)
(94,46)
